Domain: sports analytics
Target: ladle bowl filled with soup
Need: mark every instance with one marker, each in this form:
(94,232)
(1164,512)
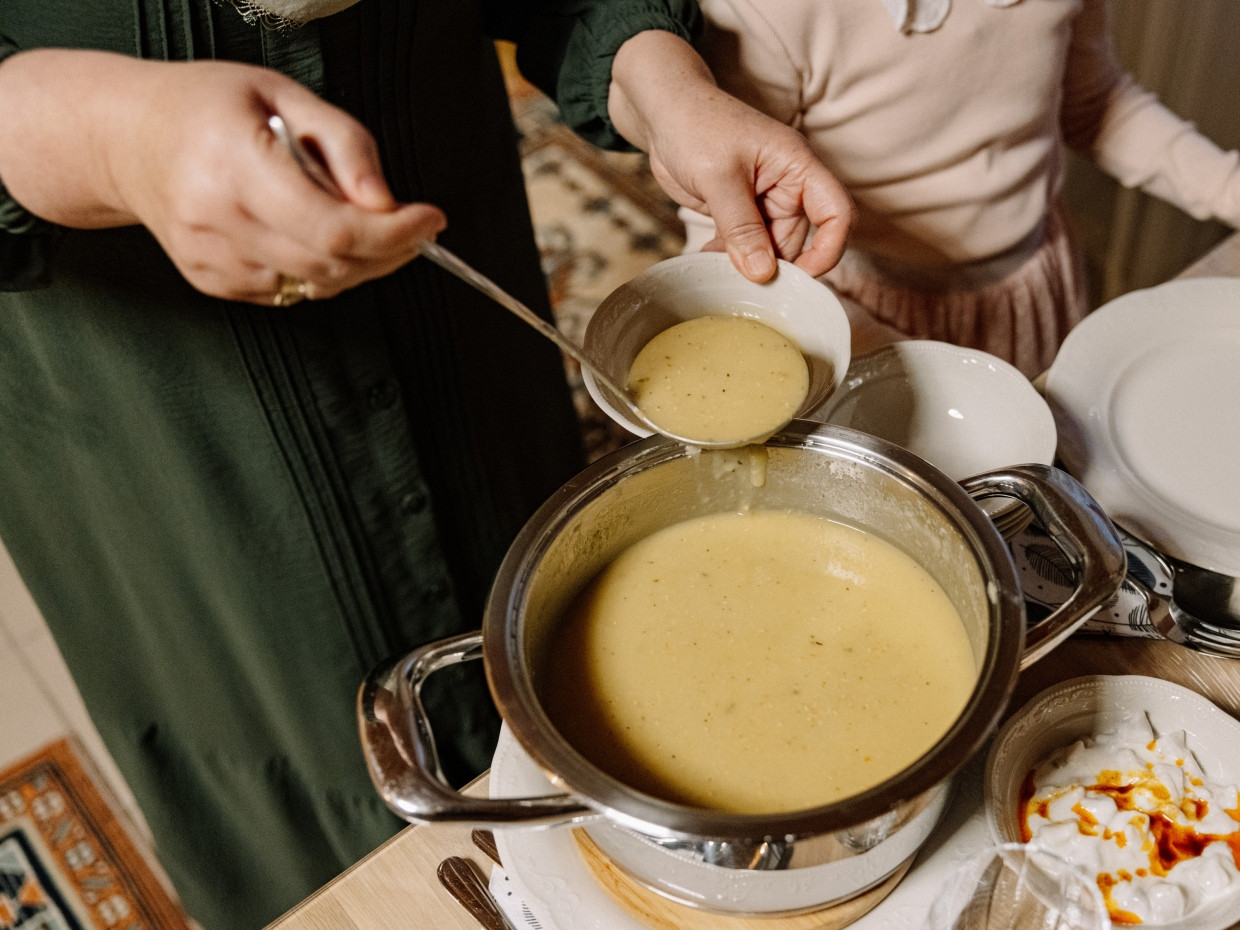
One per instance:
(704,352)
(752,673)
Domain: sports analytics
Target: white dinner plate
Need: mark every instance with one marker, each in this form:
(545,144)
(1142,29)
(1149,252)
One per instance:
(543,864)
(1146,397)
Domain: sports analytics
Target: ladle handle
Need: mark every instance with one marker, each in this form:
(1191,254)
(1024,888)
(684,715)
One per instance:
(1085,535)
(449,262)
(399,747)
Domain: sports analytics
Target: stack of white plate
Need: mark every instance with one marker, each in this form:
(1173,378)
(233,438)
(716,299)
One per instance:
(1146,397)
(1144,394)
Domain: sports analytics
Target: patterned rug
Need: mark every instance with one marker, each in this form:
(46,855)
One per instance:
(599,219)
(66,863)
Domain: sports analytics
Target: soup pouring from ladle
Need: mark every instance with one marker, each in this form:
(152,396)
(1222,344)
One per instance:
(450,262)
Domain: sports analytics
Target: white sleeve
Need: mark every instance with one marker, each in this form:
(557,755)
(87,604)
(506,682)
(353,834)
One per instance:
(1134,137)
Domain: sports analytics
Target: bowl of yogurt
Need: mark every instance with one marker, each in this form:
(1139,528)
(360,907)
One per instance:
(706,352)
(1132,780)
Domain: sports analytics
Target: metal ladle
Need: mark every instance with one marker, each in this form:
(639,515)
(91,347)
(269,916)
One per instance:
(450,262)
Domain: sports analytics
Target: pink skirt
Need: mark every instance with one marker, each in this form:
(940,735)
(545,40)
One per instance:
(1018,306)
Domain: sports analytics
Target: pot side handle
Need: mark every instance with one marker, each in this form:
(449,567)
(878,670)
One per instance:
(1078,526)
(399,747)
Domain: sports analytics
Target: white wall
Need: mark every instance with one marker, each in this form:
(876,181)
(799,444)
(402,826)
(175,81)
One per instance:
(40,701)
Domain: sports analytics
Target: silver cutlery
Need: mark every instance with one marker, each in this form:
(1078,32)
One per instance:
(1191,606)
(485,841)
(1202,610)
(463,882)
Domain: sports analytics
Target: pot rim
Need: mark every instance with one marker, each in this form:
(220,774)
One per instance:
(505,660)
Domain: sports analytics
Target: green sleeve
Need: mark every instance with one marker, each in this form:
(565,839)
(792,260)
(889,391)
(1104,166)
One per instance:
(566,47)
(25,240)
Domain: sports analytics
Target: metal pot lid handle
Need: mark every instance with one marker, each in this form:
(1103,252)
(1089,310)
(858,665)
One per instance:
(1084,533)
(399,747)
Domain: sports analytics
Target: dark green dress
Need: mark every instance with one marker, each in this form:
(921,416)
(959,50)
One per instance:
(229,514)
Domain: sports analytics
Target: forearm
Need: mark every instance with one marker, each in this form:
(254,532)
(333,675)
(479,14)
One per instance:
(93,139)
(653,73)
(1111,119)
(756,177)
(1144,145)
(57,106)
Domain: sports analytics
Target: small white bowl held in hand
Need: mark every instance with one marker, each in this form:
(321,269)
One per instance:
(686,287)
(1094,705)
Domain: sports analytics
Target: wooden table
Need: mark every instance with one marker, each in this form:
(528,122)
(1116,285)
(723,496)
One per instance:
(395,886)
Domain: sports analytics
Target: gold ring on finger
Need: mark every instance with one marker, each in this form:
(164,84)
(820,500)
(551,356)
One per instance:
(290,290)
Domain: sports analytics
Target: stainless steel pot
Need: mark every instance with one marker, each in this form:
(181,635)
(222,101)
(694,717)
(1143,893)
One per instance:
(821,469)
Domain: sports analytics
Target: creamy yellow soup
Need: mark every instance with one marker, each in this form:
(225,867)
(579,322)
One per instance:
(758,663)
(720,379)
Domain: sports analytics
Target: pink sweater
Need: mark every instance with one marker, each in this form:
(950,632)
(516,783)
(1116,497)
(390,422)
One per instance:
(952,141)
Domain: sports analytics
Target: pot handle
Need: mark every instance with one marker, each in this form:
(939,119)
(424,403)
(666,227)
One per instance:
(400,748)
(1082,531)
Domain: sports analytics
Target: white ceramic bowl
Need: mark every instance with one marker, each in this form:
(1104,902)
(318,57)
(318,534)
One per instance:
(962,410)
(1089,706)
(704,284)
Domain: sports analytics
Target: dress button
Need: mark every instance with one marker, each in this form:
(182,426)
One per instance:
(382,395)
(413,502)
